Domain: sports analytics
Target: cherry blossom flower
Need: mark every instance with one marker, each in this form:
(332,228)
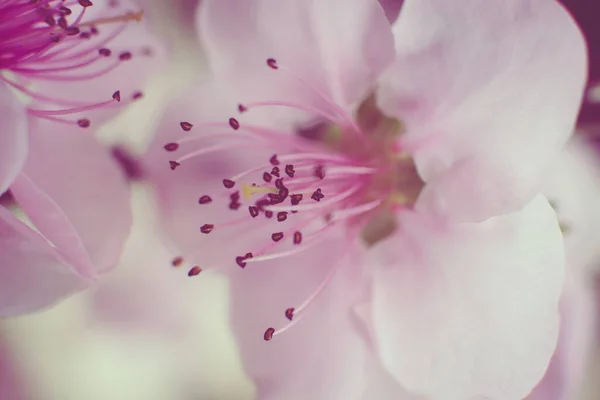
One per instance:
(64,66)
(375,201)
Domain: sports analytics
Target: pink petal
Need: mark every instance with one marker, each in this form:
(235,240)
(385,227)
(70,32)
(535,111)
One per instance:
(13,137)
(33,274)
(322,357)
(337,46)
(80,176)
(564,377)
(76,197)
(488,95)
(471,310)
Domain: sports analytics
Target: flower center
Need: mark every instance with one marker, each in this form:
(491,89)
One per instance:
(341,169)
(50,41)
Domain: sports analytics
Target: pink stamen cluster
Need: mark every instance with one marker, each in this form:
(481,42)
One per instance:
(310,188)
(44,40)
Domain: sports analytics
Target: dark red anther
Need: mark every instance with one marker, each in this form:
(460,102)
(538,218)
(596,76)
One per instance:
(262,203)
(65,11)
(177,261)
(269,334)
(83,123)
(228,183)
(253,210)
(234,123)
(72,31)
(275,171)
(137,95)
(125,56)
(104,52)
(279,183)
(320,172)
(234,205)
(195,270)
(173,165)
(277,236)
(241,261)
(204,199)
(273,198)
(207,228)
(62,22)
(85,35)
(94,30)
(267,177)
(117,95)
(272,63)
(235,196)
(273,160)
(289,313)
(296,198)
(242,108)
(283,194)
(289,170)
(269,214)
(171,146)
(317,195)
(85,3)
(282,216)
(297,237)
(186,126)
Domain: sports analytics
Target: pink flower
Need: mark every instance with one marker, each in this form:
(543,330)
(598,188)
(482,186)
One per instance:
(380,191)
(63,66)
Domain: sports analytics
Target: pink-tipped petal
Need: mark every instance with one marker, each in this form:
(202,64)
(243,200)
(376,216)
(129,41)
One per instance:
(471,310)
(338,46)
(13,137)
(488,94)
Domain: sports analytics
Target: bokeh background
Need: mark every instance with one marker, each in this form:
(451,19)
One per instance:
(146,331)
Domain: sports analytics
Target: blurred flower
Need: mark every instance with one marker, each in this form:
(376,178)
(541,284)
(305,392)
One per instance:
(63,67)
(404,210)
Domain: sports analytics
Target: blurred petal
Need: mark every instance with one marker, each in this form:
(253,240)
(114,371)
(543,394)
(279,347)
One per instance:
(33,274)
(565,374)
(488,95)
(84,182)
(470,311)
(76,197)
(573,188)
(13,137)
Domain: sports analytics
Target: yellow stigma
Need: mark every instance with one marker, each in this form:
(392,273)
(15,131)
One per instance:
(248,190)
